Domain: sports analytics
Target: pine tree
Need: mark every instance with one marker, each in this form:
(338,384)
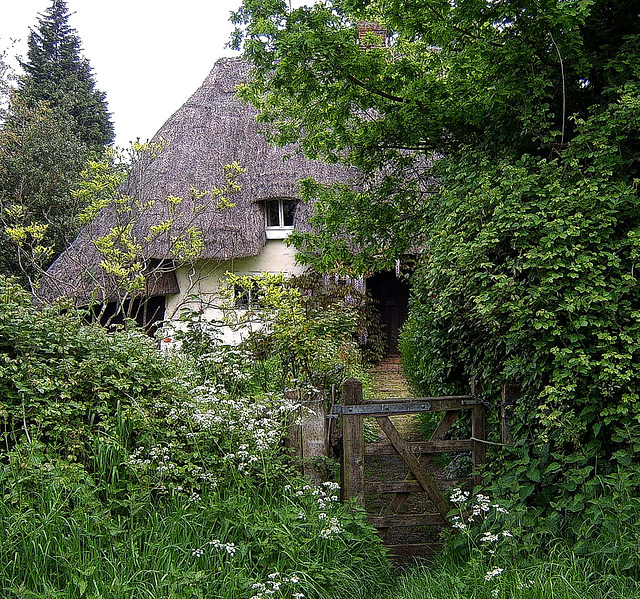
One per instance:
(56,72)
(54,120)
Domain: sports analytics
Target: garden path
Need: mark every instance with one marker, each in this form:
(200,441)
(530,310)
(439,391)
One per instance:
(388,380)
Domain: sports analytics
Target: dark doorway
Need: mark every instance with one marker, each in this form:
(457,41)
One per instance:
(392,298)
(148,313)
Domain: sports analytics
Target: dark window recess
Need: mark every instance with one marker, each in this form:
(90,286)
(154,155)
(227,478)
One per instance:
(280,213)
(148,313)
(273,214)
(248,297)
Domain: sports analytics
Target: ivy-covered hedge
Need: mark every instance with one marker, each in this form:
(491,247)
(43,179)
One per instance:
(530,276)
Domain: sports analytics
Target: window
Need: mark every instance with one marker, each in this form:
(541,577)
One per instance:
(279,217)
(247,294)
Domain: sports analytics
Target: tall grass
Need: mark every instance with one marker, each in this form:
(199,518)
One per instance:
(513,554)
(59,539)
(562,575)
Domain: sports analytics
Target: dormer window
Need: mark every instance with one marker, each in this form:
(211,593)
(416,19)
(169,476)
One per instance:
(279,218)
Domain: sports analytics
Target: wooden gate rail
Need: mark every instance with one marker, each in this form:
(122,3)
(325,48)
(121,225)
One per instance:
(415,455)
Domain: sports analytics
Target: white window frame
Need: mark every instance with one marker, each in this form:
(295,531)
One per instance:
(279,231)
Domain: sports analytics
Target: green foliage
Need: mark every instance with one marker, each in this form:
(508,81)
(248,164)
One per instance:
(505,79)
(53,121)
(126,472)
(534,275)
(311,337)
(40,160)
(500,553)
(508,77)
(501,140)
(125,248)
(102,176)
(65,383)
(57,74)
(7,76)
(338,293)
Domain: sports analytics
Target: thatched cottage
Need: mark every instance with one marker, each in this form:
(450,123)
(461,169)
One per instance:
(213,128)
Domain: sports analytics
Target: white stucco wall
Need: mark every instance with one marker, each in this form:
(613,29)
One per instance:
(200,282)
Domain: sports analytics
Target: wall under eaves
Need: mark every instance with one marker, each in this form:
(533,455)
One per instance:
(200,284)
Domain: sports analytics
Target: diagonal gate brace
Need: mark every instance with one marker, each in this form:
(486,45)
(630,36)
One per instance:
(438,435)
(411,460)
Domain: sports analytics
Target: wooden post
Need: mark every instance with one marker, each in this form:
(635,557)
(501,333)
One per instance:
(352,474)
(478,434)
(509,398)
(294,432)
(314,435)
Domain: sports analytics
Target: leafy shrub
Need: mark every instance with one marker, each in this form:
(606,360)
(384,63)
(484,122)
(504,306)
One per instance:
(65,383)
(291,337)
(129,472)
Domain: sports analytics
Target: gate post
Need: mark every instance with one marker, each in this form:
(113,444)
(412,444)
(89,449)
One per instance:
(478,434)
(314,436)
(352,472)
(510,395)
(307,432)
(294,429)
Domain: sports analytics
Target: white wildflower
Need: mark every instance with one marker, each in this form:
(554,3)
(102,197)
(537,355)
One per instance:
(459,496)
(493,573)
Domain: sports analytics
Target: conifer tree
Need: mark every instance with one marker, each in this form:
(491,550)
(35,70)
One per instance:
(56,72)
(55,119)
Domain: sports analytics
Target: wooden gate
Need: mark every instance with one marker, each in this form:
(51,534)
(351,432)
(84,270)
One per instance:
(415,455)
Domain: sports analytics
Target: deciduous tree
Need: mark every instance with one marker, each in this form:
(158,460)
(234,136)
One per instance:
(55,119)
(527,115)
(40,161)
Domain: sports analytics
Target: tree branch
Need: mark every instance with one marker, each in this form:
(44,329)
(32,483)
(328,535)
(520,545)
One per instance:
(377,92)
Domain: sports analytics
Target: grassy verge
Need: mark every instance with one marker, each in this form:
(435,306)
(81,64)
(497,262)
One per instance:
(562,575)
(61,540)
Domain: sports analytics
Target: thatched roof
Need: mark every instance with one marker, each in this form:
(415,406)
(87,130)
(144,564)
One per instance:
(211,129)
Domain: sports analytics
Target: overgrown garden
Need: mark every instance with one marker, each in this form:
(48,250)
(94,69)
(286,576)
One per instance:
(131,471)
(499,146)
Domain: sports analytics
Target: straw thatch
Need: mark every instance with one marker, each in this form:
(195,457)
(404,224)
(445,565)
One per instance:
(211,129)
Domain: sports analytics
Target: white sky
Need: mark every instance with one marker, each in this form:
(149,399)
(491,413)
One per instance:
(148,56)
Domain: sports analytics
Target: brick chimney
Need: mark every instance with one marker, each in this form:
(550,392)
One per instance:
(371,27)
